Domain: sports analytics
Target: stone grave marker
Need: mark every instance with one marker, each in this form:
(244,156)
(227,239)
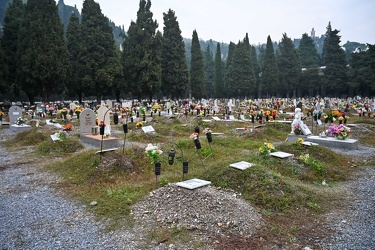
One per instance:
(305,129)
(109,103)
(310,144)
(215,118)
(72,106)
(193,183)
(87,121)
(242,165)
(14,113)
(104,111)
(280,154)
(148,129)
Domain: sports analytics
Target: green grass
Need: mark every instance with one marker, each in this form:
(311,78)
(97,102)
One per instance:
(282,189)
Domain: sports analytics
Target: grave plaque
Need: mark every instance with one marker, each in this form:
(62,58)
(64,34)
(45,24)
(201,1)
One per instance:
(14,113)
(87,121)
(148,129)
(305,129)
(320,123)
(215,118)
(242,165)
(280,154)
(307,143)
(193,183)
(103,111)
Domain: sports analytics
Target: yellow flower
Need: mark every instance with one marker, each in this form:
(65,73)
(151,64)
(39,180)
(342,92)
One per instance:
(300,140)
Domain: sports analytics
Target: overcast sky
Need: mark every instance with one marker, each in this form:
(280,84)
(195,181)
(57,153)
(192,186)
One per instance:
(230,20)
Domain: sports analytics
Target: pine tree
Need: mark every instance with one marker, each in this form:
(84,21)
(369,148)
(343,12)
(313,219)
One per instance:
(12,23)
(139,45)
(73,43)
(209,68)
(175,72)
(3,72)
(270,76)
(334,59)
(289,68)
(219,81)
(97,58)
(196,68)
(43,56)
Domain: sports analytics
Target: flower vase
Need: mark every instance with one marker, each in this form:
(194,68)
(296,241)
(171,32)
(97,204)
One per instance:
(144,118)
(131,119)
(267,118)
(1,117)
(340,121)
(77,116)
(326,120)
(101,130)
(157,168)
(197,144)
(209,137)
(252,119)
(64,115)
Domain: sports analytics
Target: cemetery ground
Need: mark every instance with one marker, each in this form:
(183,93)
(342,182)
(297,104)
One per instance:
(293,196)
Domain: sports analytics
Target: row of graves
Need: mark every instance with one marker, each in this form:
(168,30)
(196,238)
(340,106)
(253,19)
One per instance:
(95,124)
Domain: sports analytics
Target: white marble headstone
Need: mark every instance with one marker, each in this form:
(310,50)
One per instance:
(87,121)
(242,165)
(14,113)
(104,111)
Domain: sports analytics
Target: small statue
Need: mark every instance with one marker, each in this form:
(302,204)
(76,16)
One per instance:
(297,119)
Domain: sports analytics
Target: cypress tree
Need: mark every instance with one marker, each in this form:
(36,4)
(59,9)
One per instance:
(334,59)
(42,50)
(175,73)
(307,52)
(231,50)
(196,68)
(219,82)
(73,43)
(289,68)
(97,58)
(309,59)
(209,69)
(138,48)
(270,76)
(12,23)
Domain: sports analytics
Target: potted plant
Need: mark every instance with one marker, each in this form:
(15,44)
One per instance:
(297,129)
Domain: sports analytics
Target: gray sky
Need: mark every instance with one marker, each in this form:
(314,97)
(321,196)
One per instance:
(230,20)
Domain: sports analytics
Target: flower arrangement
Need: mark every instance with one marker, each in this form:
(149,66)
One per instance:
(63,111)
(139,124)
(142,110)
(335,113)
(154,152)
(156,107)
(299,141)
(297,129)
(68,127)
(266,149)
(1,113)
(207,131)
(21,121)
(62,135)
(77,110)
(102,124)
(341,131)
(194,136)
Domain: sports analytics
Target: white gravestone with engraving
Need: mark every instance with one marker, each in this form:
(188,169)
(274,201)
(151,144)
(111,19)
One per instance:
(103,111)
(14,113)
(87,121)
